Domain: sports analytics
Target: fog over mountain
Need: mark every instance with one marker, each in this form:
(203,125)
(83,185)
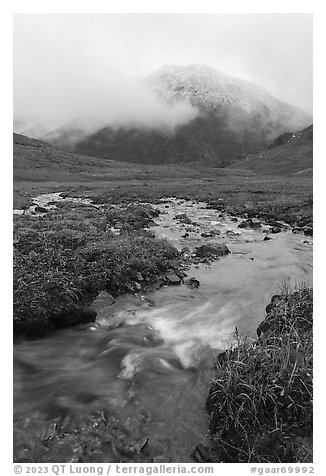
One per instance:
(88,69)
(233,117)
(123,101)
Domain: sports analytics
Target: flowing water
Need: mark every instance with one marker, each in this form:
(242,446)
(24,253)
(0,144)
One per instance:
(151,373)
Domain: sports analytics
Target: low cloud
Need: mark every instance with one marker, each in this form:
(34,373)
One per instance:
(117,101)
(73,66)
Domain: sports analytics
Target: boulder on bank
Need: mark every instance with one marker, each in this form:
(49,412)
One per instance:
(211,250)
(191,282)
(210,233)
(171,278)
(274,223)
(232,233)
(101,305)
(183,218)
(40,209)
(250,223)
(276,229)
(218,204)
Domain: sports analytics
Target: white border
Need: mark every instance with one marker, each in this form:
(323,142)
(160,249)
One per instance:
(167,6)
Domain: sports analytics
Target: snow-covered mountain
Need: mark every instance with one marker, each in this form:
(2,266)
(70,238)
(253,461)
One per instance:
(234,117)
(211,90)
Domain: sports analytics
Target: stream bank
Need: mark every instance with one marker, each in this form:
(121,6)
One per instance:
(119,390)
(260,403)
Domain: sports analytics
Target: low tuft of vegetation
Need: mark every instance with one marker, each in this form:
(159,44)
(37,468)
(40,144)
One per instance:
(260,402)
(132,216)
(64,259)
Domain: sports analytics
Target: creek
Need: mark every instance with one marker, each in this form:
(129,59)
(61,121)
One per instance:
(151,374)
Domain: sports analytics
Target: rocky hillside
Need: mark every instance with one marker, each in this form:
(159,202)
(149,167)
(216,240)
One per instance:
(289,154)
(234,117)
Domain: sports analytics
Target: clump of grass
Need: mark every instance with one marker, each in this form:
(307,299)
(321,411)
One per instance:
(132,216)
(64,259)
(260,402)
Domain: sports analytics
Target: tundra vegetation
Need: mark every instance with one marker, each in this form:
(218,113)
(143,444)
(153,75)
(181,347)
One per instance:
(260,402)
(64,259)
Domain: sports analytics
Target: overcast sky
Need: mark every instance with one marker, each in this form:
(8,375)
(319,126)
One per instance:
(67,61)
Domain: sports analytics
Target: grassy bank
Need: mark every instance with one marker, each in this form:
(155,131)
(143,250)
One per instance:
(64,259)
(260,401)
(283,198)
(41,168)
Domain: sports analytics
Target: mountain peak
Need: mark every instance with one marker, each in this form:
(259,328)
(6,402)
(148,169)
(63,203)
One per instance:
(207,88)
(196,74)
(232,117)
